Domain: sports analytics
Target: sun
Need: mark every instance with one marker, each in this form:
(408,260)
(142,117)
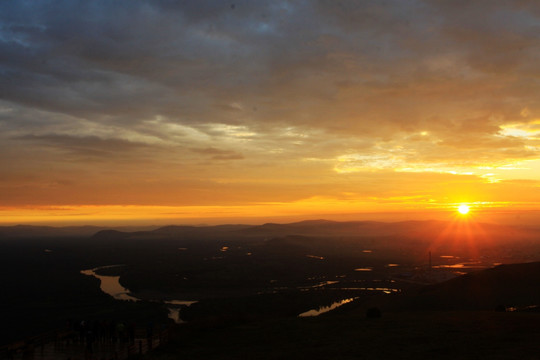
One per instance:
(463,209)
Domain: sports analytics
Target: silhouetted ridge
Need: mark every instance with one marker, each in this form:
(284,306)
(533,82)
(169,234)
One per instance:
(349,228)
(185,229)
(314,222)
(174,229)
(110,235)
(412,229)
(31,231)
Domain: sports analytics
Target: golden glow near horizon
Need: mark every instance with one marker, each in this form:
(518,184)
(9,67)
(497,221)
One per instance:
(229,114)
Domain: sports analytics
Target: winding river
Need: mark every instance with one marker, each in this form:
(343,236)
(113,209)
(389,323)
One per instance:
(110,285)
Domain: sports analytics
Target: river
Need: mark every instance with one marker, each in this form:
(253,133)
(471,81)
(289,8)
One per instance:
(110,285)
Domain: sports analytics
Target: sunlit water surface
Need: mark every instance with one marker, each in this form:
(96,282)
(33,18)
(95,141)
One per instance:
(110,285)
(323,309)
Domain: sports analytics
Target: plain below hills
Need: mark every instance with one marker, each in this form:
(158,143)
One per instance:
(456,319)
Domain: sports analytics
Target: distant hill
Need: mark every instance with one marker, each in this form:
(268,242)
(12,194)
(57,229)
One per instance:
(27,231)
(375,228)
(309,228)
(429,229)
(176,232)
(31,231)
(319,227)
(198,230)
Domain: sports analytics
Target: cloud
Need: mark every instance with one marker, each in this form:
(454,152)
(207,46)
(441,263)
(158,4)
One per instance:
(217,154)
(87,146)
(287,60)
(183,87)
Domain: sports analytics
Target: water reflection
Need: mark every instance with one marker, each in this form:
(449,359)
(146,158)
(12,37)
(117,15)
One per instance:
(110,285)
(319,285)
(176,306)
(180,302)
(364,269)
(382,289)
(324,309)
(174,315)
(464,265)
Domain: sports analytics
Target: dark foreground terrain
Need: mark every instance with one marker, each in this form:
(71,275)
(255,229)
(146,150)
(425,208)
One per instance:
(489,314)
(350,335)
(439,286)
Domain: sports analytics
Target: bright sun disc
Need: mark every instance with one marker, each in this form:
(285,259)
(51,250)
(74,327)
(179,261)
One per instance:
(463,209)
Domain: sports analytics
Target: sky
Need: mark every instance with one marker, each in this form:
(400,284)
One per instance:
(183,111)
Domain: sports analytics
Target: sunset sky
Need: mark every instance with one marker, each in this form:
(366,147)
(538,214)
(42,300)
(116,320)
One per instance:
(194,111)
